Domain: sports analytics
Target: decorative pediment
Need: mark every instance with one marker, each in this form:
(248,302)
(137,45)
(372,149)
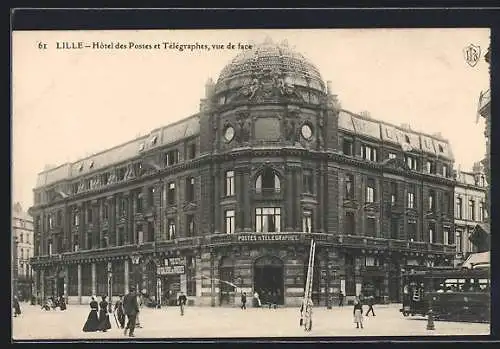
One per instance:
(112,178)
(81,187)
(130,174)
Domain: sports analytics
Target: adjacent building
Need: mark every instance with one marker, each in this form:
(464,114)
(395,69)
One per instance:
(23,250)
(470,211)
(227,200)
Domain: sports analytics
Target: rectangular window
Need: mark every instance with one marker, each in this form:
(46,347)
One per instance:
(138,203)
(151,196)
(50,247)
(75,217)
(446,237)
(370,190)
(171,229)
(349,186)
(89,215)
(229,189)
(121,236)
(392,155)
(308,182)
(459,241)
(459,212)
(171,193)
(394,193)
(172,157)
(307,221)
(432,233)
(105,211)
(432,200)
(90,243)
(347,147)
(139,234)
(268,220)
(445,171)
(472,213)
(368,153)
(411,162)
(190,189)
(190,225)
(410,202)
(371,227)
(349,223)
(394,228)
(123,207)
(229,221)
(192,151)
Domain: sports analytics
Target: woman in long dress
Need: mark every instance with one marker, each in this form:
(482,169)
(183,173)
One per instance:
(92,323)
(104,323)
(358,313)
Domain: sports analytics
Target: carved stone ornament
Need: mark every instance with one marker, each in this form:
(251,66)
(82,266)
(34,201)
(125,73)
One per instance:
(265,85)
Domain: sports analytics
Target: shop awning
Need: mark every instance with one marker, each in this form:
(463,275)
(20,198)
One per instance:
(481,236)
(477,259)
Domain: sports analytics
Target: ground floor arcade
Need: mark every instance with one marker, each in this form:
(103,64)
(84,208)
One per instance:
(217,275)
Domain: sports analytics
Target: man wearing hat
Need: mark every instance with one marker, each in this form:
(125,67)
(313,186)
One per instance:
(131,308)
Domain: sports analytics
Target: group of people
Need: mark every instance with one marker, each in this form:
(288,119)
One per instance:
(126,308)
(54,302)
(269,298)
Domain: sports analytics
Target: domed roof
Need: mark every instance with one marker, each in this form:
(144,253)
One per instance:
(270,57)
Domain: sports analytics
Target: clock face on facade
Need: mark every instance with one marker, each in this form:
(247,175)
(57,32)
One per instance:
(229,134)
(306,131)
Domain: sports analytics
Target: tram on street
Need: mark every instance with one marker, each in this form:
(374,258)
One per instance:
(454,294)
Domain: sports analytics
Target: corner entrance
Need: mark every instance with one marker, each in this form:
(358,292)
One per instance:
(268,279)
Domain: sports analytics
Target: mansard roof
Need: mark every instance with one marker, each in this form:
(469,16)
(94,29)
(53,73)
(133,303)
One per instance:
(396,135)
(163,136)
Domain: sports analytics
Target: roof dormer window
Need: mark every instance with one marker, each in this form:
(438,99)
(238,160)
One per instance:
(91,165)
(153,140)
(441,150)
(141,147)
(407,139)
(80,168)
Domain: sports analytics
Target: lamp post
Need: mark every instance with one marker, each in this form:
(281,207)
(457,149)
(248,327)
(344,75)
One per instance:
(110,285)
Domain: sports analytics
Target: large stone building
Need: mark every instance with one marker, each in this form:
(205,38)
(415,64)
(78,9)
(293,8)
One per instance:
(470,212)
(23,248)
(228,199)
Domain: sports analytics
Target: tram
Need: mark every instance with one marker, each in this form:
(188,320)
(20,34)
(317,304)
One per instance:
(454,294)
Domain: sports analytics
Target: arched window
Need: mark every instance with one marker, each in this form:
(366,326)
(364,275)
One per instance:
(267,181)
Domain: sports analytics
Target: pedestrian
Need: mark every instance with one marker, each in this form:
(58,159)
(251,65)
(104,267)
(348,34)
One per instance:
(371,301)
(137,319)
(358,313)
(244,300)
(257,299)
(120,312)
(16,306)
(341,299)
(92,323)
(182,302)
(131,308)
(62,303)
(104,323)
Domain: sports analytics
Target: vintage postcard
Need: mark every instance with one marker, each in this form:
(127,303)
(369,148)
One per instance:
(250,183)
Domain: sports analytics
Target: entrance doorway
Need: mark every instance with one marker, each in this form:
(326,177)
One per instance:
(59,287)
(226,281)
(268,279)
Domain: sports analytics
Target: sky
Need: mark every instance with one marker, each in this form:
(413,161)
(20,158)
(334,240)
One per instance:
(68,104)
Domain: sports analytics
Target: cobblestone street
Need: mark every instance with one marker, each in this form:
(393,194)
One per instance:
(209,322)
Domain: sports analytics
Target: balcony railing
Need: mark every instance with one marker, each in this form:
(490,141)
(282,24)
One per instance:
(353,241)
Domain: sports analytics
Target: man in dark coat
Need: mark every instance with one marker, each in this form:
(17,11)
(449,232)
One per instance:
(371,301)
(131,308)
(16,306)
(244,300)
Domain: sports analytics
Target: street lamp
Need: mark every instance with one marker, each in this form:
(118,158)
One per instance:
(136,259)
(110,285)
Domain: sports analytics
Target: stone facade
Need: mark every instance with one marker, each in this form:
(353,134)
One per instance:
(240,189)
